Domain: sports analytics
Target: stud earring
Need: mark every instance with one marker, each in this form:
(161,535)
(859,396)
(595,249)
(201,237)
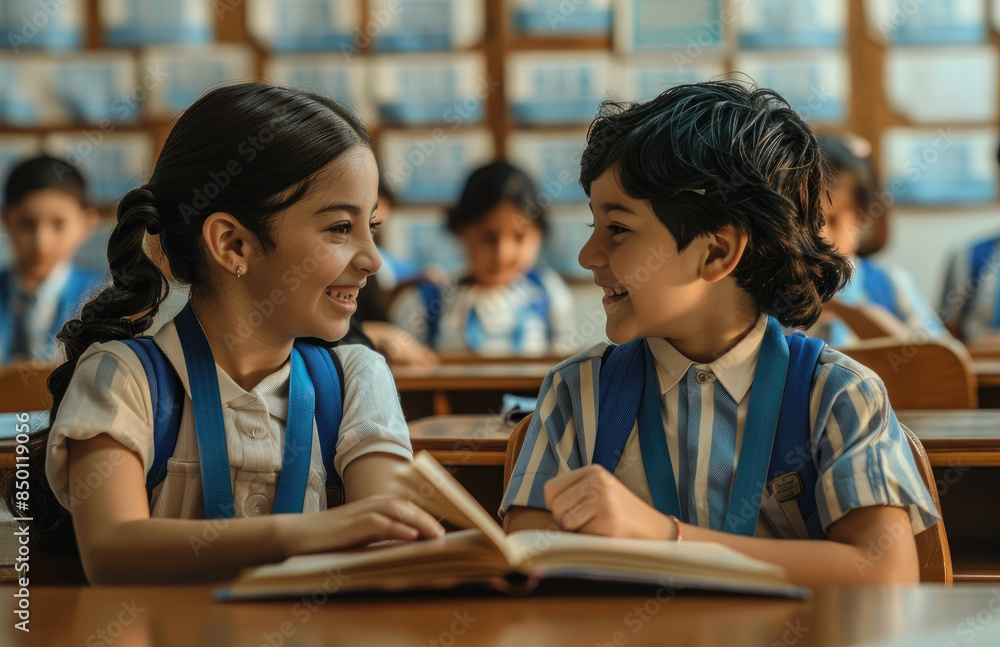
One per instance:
(239,271)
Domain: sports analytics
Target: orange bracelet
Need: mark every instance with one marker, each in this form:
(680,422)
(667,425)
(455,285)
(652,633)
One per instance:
(677,524)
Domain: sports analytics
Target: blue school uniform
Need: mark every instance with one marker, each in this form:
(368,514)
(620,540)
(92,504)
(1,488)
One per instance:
(971,295)
(856,444)
(890,287)
(29,323)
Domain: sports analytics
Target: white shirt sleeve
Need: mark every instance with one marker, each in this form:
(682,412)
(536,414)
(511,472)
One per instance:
(373,418)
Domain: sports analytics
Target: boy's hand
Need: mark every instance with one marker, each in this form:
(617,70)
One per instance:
(593,501)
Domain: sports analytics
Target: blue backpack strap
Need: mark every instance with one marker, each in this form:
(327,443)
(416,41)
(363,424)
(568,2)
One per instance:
(327,377)
(623,372)
(878,285)
(540,301)
(792,442)
(979,258)
(431,292)
(167,396)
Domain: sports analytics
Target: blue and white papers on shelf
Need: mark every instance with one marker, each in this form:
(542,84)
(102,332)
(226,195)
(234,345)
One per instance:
(928,22)
(25,91)
(305,25)
(98,88)
(424,25)
(556,88)
(141,22)
(694,26)
(430,166)
(327,74)
(420,236)
(561,17)
(188,73)
(30,24)
(568,232)
(940,166)
(943,84)
(772,24)
(552,159)
(816,83)
(646,77)
(113,163)
(447,89)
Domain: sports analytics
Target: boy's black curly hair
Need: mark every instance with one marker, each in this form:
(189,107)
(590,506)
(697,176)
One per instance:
(761,170)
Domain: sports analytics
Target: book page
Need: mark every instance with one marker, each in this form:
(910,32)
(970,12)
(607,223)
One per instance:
(435,490)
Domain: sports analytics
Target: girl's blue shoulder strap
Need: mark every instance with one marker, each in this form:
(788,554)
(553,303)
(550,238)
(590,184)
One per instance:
(878,285)
(792,451)
(327,375)
(431,293)
(167,399)
(540,302)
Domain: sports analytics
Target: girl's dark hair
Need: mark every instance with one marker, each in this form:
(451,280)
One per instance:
(250,150)
(843,159)
(44,172)
(708,155)
(490,185)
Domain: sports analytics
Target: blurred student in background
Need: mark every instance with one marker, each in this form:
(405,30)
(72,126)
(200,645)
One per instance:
(47,217)
(503,304)
(398,346)
(880,300)
(970,301)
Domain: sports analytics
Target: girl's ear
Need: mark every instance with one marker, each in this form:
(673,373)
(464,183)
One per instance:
(723,253)
(228,242)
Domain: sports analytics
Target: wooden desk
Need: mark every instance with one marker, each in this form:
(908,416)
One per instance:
(966,437)
(183,616)
(465,388)
(462,439)
(988,381)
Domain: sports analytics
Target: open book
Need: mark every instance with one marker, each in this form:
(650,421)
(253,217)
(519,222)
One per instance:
(482,554)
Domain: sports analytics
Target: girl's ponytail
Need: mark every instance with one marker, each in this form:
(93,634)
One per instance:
(137,287)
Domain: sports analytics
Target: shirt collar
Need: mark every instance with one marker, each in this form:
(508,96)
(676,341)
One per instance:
(270,394)
(735,370)
(50,289)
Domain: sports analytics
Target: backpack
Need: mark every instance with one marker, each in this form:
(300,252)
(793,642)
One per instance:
(167,397)
(432,294)
(622,378)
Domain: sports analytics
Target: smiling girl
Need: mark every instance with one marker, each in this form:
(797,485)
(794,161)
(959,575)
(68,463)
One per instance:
(274,247)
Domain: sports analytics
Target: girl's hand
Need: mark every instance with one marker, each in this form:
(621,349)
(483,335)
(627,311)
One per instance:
(357,524)
(593,501)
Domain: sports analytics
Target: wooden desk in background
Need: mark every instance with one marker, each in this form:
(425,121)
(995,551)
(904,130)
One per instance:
(988,381)
(184,615)
(465,388)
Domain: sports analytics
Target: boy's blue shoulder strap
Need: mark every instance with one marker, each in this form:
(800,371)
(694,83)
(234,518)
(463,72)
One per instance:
(980,257)
(167,399)
(623,370)
(540,300)
(431,293)
(878,285)
(620,392)
(792,449)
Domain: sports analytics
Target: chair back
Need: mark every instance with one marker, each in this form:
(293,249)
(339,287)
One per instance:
(932,543)
(24,387)
(935,374)
(514,444)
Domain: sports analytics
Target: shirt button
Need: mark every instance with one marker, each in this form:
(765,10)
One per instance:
(256,432)
(256,505)
(704,376)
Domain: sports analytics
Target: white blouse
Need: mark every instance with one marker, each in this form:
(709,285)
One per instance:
(109,394)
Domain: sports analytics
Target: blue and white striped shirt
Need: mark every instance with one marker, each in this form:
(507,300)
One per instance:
(861,452)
